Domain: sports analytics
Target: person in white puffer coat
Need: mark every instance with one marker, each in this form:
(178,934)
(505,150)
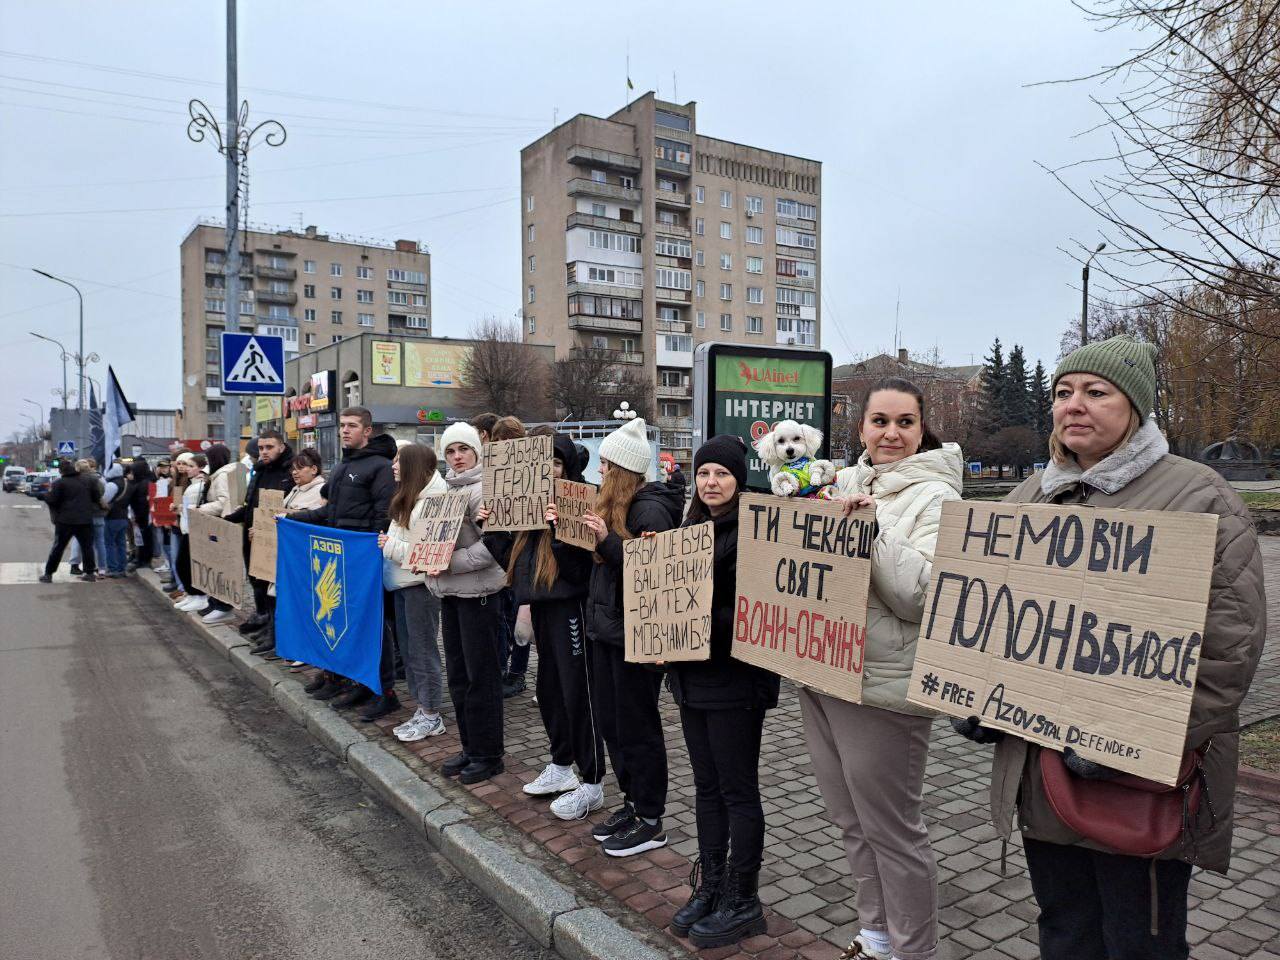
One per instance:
(869,758)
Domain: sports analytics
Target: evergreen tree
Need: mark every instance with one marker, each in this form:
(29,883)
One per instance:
(1041,402)
(1017,390)
(993,390)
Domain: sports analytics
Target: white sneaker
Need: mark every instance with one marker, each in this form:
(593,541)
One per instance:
(576,804)
(418,716)
(867,949)
(426,727)
(218,616)
(195,604)
(553,779)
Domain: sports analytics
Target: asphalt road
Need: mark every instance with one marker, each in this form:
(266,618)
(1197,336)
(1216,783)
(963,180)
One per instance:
(154,806)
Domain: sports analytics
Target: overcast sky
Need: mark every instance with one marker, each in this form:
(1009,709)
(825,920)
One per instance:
(406,120)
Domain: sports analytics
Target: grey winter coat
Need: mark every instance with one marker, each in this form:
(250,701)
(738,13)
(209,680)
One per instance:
(473,572)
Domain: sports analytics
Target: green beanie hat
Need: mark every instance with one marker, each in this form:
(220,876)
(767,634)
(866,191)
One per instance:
(1128,363)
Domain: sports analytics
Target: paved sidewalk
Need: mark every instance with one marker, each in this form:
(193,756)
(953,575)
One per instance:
(804,883)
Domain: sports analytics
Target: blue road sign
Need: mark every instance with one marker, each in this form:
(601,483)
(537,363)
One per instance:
(252,363)
(66,448)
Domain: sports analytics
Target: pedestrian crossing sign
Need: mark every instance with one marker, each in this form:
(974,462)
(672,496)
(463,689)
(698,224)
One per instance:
(66,448)
(252,363)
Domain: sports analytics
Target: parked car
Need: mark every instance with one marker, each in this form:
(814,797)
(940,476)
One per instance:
(25,485)
(12,477)
(41,483)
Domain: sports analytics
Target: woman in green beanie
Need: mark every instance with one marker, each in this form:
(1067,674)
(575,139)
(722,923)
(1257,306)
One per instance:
(1096,903)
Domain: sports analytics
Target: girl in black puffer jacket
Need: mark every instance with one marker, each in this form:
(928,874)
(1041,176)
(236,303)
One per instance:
(625,695)
(551,577)
(722,704)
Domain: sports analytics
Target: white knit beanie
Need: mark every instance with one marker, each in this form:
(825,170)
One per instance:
(462,432)
(628,447)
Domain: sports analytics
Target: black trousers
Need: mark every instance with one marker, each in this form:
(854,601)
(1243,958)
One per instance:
(564,687)
(626,705)
(473,668)
(724,751)
(263,603)
(1097,906)
(145,552)
(63,533)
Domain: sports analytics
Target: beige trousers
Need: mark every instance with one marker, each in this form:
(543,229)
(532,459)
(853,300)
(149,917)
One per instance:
(869,764)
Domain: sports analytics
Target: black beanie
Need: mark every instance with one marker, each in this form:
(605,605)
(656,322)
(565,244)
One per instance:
(728,451)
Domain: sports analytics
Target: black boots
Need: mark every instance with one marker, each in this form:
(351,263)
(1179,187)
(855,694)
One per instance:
(738,913)
(380,706)
(707,875)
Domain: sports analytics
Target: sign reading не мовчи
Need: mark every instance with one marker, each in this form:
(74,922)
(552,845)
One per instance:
(1069,627)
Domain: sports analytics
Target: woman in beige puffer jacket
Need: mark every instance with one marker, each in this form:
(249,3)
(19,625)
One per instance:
(869,757)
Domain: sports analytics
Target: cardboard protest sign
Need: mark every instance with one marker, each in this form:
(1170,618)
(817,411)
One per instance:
(666,595)
(572,501)
(217,563)
(517,483)
(161,504)
(262,548)
(434,534)
(804,570)
(1069,627)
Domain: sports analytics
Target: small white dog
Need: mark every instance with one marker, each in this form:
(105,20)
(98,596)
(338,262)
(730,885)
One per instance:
(788,450)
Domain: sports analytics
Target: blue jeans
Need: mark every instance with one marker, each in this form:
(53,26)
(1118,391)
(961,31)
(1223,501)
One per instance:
(116,531)
(100,541)
(173,540)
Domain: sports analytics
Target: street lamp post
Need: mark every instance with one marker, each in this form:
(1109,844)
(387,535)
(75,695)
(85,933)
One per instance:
(1084,303)
(38,407)
(65,357)
(79,356)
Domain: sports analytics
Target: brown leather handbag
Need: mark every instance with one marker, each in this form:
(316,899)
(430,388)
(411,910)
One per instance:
(1127,814)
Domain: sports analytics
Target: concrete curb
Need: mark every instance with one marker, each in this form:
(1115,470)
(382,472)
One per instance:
(541,905)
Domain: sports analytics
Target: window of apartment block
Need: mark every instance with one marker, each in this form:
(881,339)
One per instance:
(364,319)
(700,194)
(672,246)
(670,378)
(670,409)
(599,343)
(212,380)
(598,176)
(726,230)
(337,338)
(528,203)
(755,294)
(246,308)
(530,233)
(406,276)
(669,185)
(309,339)
(726,291)
(279,312)
(335,293)
(533,264)
(309,315)
(364,273)
(726,322)
(213,305)
(533,327)
(726,261)
(335,269)
(628,345)
(799,298)
(678,342)
(417,323)
(673,279)
(726,199)
(701,318)
(308,266)
(700,289)
(700,226)
(399,298)
(335,316)
(755,234)
(669,313)
(309,290)
(212,355)
(794,208)
(599,210)
(755,324)
(790,237)
(755,264)
(699,258)
(532,295)
(364,296)
(786,268)
(755,204)
(628,183)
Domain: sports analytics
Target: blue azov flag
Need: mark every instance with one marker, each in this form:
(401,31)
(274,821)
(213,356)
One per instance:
(329,599)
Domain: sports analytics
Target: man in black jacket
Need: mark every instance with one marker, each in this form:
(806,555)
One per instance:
(270,472)
(71,502)
(358,497)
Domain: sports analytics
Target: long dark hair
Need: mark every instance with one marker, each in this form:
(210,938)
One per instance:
(928,439)
(417,466)
(218,456)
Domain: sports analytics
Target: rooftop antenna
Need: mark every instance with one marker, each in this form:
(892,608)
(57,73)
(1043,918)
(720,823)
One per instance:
(675,90)
(301,226)
(555,116)
(897,317)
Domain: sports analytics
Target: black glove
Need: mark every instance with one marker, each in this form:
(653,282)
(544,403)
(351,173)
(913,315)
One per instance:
(1087,769)
(972,729)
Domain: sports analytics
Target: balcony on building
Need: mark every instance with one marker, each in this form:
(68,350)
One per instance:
(288,298)
(668,295)
(673,166)
(678,199)
(674,423)
(597,158)
(275,273)
(673,350)
(604,223)
(672,326)
(604,290)
(665,392)
(408,326)
(605,324)
(616,356)
(585,187)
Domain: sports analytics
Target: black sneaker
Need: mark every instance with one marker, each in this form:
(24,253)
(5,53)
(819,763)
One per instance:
(89,577)
(619,820)
(318,681)
(330,690)
(253,624)
(45,578)
(357,695)
(75,570)
(264,646)
(455,765)
(638,838)
(513,685)
(480,770)
(379,707)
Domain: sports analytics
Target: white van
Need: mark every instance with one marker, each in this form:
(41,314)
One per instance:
(12,477)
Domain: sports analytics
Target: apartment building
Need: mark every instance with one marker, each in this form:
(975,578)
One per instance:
(643,237)
(310,287)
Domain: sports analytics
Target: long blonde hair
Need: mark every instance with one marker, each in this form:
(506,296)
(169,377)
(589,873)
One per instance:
(613,502)
(1060,453)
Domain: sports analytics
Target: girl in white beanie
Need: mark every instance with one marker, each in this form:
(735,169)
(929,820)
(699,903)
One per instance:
(625,695)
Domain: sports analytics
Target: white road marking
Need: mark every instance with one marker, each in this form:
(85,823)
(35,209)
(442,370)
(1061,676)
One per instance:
(13,573)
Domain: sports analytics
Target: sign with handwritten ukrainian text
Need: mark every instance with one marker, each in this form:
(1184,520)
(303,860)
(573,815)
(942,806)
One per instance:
(1071,627)
(804,570)
(433,535)
(518,483)
(573,500)
(666,595)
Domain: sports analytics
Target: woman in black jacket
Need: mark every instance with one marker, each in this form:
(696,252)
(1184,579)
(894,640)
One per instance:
(551,577)
(625,695)
(71,500)
(722,704)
